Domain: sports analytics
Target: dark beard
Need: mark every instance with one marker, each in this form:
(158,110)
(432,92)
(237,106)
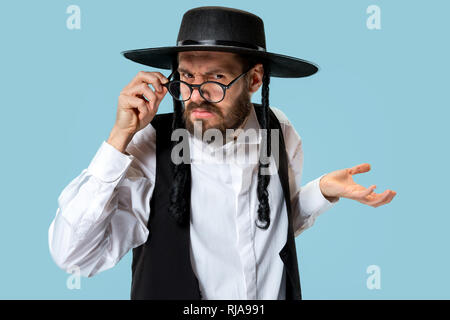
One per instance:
(236,115)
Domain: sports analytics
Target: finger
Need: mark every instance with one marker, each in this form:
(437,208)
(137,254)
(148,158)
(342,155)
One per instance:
(153,97)
(153,78)
(161,94)
(361,193)
(379,199)
(364,167)
(159,75)
(368,191)
(132,102)
(162,78)
(144,90)
(145,77)
(137,80)
(388,199)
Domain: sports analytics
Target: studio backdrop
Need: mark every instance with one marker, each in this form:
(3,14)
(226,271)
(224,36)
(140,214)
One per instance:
(379,97)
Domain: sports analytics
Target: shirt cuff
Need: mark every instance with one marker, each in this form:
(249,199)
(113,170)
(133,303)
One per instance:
(313,202)
(109,164)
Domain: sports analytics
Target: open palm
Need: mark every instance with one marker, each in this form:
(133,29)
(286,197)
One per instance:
(340,183)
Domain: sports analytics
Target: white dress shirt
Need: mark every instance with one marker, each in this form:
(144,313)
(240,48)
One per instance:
(103,213)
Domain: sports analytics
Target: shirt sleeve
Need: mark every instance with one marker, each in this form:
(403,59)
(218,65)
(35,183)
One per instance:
(307,202)
(103,212)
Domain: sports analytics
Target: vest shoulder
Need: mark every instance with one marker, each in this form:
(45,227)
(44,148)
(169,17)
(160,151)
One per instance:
(277,113)
(162,120)
(280,115)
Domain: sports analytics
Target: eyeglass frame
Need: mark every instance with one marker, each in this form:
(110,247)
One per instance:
(193,86)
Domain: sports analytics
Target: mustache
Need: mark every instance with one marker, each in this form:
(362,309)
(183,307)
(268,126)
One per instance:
(205,106)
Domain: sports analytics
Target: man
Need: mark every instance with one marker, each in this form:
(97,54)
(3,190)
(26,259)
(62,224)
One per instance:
(210,227)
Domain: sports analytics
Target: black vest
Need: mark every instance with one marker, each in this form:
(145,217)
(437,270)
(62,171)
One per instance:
(161,267)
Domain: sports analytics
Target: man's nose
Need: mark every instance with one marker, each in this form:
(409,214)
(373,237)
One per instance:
(196,96)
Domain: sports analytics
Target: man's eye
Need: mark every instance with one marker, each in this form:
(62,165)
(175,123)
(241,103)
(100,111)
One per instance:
(189,76)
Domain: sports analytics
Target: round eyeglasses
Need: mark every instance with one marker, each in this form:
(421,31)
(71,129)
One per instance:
(211,91)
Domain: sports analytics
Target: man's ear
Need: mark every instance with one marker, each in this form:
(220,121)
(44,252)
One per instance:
(255,76)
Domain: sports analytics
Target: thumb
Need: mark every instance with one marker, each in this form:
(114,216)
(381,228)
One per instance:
(360,168)
(162,93)
(159,97)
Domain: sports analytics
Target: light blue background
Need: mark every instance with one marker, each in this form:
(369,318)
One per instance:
(381,96)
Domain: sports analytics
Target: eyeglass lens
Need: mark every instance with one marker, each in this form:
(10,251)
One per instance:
(210,91)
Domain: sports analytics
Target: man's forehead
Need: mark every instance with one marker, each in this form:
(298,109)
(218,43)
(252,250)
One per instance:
(207,60)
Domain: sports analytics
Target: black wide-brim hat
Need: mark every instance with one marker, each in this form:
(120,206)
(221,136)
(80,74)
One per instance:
(223,29)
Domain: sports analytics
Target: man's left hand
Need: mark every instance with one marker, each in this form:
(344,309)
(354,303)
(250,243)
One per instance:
(340,183)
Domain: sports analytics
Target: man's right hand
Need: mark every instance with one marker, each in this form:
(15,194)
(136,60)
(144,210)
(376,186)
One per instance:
(137,107)
(134,112)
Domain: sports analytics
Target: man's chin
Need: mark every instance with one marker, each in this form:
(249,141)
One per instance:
(202,125)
